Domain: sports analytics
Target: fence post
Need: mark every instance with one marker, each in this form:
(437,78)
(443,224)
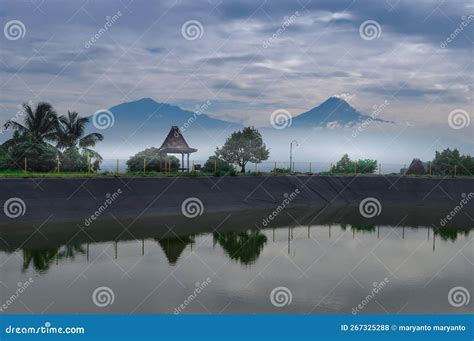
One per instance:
(26,165)
(144,166)
(293,167)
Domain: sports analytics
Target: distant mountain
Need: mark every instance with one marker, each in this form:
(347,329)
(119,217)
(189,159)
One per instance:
(333,113)
(145,122)
(148,115)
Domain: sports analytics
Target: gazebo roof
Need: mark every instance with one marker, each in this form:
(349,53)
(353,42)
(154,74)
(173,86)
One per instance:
(175,143)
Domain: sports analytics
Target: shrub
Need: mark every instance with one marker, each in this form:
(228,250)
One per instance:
(346,166)
(222,165)
(281,170)
(41,157)
(444,162)
(154,161)
(72,160)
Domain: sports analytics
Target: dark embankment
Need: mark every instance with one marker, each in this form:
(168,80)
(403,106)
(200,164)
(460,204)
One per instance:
(149,206)
(73,199)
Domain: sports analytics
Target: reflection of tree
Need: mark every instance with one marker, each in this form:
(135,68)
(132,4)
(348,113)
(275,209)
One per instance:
(363,228)
(41,259)
(244,246)
(174,247)
(447,233)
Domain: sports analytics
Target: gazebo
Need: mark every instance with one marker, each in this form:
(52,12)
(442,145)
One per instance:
(176,144)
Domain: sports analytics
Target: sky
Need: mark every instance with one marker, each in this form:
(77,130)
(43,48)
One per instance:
(247,57)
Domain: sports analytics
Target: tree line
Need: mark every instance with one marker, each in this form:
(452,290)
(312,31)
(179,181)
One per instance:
(44,136)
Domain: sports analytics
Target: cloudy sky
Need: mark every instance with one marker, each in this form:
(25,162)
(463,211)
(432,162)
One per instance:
(248,57)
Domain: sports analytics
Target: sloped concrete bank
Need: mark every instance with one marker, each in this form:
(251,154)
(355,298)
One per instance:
(136,198)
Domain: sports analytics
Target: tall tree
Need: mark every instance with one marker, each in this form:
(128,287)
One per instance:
(70,133)
(244,146)
(39,125)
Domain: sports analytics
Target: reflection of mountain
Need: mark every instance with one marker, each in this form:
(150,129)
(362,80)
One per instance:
(174,247)
(244,246)
(41,259)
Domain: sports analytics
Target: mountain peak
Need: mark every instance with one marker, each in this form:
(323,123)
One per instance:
(335,101)
(333,112)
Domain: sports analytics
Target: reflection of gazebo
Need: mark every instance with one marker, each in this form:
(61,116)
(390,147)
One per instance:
(174,247)
(176,144)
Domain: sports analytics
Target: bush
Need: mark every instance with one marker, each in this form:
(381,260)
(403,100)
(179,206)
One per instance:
(346,166)
(72,160)
(281,170)
(366,166)
(444,162)
(154,161)
(41,157)
(222,166)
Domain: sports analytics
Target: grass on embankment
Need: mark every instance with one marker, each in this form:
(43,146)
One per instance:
(22,174)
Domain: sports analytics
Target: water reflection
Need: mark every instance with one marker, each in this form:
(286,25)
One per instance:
(174,247)
(243,247)
(41,259)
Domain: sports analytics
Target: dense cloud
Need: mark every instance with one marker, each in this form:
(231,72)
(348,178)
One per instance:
(253,56)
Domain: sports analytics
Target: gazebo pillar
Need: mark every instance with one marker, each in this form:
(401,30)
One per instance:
(188,161)
(182,162)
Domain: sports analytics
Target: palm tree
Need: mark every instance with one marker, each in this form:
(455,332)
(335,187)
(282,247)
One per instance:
(40,125)
(70,133)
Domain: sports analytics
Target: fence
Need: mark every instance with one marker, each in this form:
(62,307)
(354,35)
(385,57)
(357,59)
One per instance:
(119,167)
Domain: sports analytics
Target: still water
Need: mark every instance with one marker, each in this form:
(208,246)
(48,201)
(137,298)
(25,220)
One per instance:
(317,269)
